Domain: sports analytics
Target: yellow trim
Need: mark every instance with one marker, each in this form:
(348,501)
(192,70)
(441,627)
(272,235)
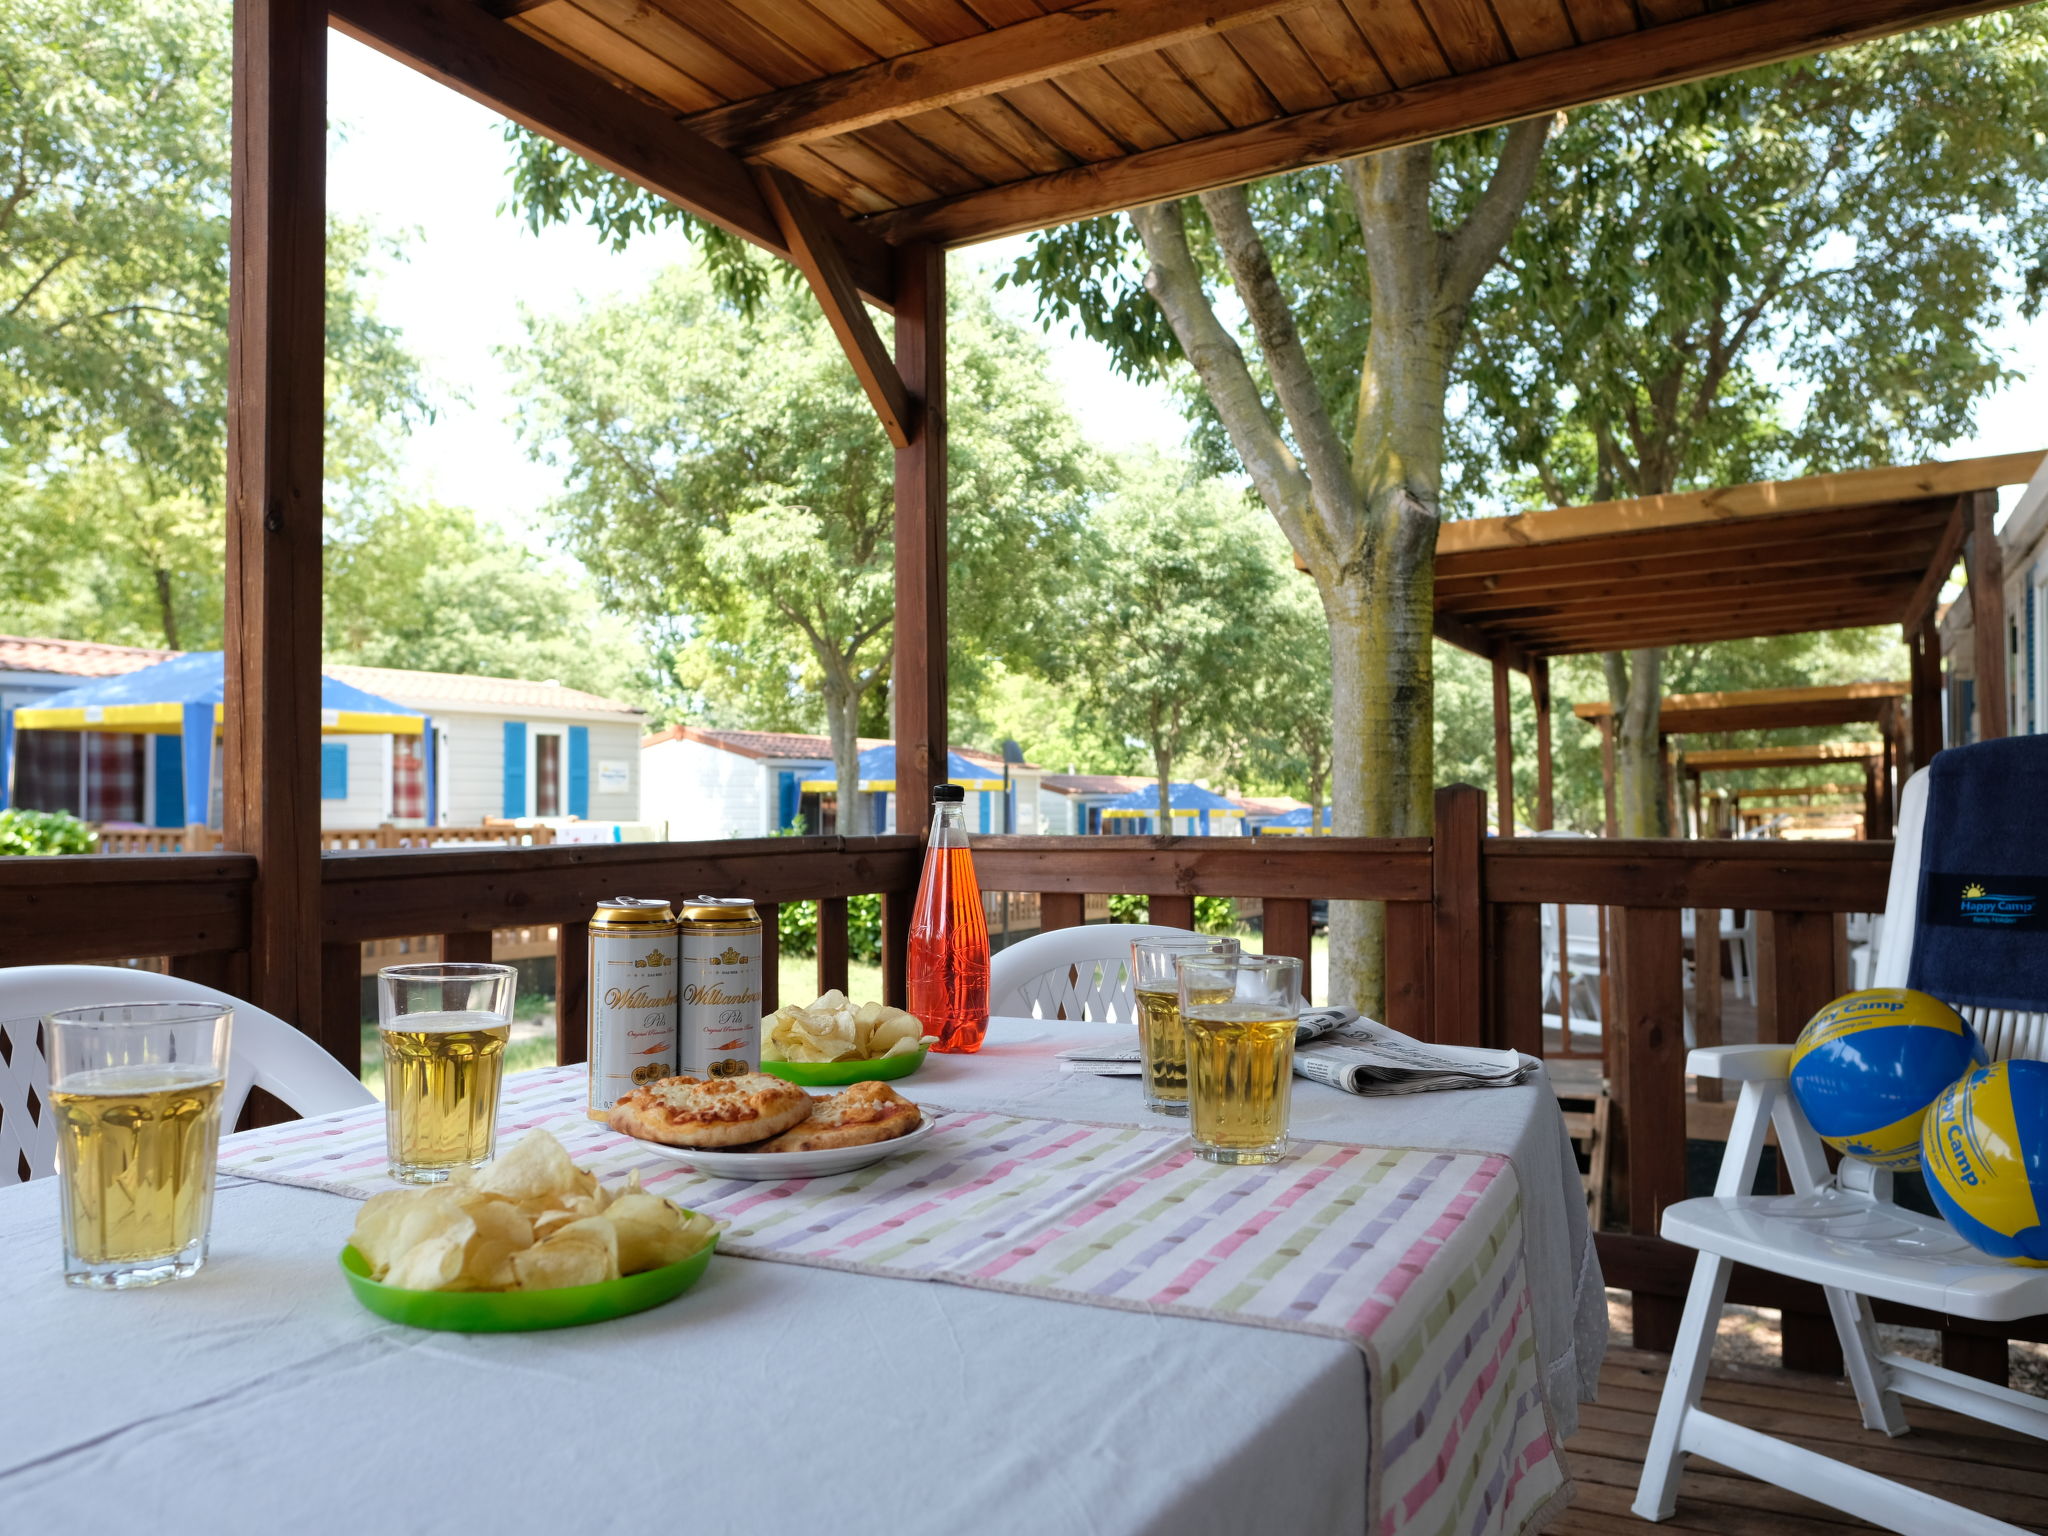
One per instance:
(169,720)
(1176,811)
(887,786)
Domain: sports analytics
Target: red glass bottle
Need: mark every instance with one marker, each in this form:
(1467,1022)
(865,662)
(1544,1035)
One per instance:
(949,933)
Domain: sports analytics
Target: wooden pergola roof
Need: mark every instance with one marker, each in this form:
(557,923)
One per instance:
(1733,759)
(952,121)
(1767,709)
(1781,557)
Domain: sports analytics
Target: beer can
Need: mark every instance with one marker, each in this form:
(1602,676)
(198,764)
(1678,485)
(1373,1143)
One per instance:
(633,979)
(721,1012)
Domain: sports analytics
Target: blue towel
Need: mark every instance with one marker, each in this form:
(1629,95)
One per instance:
(1981,936)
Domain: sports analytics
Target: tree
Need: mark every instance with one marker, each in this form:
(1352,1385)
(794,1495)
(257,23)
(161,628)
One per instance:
(1286,739)
(113,322)
(729,482)
(1355,281)
(433,589)
(1183,585)
(1836,228)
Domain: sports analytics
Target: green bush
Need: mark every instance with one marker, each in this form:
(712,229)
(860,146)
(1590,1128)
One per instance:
(43,832)
(1213,914)
(797,924)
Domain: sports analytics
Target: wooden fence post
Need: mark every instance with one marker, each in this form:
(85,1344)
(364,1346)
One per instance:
(572,992)
(1284,930)
(1514,1001)
(1171,911)
(1458,959)
(1649,1086)
(918,687)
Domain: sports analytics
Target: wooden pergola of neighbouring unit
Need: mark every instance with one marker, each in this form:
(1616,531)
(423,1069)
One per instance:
(1839,551)
(1873,756)
(858,141)
(1768,709)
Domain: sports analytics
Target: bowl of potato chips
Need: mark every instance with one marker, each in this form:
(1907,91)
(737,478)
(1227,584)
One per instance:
(527,1241)
(835,1041)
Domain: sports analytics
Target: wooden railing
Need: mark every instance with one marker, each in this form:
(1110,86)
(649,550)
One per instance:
(1463,922)
(198,838)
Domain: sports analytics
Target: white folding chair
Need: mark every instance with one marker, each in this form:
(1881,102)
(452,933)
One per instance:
(1842,1232)
(265,1052)
(1071,973)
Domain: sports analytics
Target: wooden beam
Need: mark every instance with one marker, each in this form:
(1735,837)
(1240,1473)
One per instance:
(1818,595)
(1539,689)
(1687,629)
(1987,615)
(917,686)
(1467,637)
(1763,499)
(1925,641)
(277,282)
(519,77)
(1713,43)
(1503,749)
(970,68)
(1764,709)
(1941,565)
(1581,587)
(807,232)
(1730,759)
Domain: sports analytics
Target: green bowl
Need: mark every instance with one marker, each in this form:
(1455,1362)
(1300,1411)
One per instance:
(523,1311)
(837,1074)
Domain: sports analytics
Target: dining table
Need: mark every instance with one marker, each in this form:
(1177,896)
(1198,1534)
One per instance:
(789,1397)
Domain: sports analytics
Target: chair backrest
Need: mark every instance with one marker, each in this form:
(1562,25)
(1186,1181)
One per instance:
(1074,973)
(266,1053)
(2007,1033)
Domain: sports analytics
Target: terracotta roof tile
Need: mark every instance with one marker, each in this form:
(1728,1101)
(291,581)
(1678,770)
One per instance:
(455,689)
(793,744)
(1092,783)
(76,658)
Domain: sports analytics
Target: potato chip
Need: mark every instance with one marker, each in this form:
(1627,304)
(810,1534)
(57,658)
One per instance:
(834,1029)
(434,1265)
(537,1168)
(399,1219)
(654,1232)
(582,1253)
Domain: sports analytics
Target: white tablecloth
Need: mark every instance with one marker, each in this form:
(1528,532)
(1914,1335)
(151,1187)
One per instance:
(773,1398)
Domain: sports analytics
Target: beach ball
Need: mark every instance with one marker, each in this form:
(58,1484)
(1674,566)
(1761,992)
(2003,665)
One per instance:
(1866,1067)
(1985,1148)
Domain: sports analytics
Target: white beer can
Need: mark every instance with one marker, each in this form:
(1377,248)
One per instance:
(633,977)
(721,1010)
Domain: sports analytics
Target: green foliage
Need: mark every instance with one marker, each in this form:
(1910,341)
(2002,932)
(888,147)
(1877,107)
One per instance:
(796,924)
(1215,915)
(432,588)
(39,832)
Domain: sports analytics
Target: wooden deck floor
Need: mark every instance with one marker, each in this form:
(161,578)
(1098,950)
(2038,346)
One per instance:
(2003,1474)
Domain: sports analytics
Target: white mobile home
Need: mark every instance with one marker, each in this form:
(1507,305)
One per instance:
(2023,556)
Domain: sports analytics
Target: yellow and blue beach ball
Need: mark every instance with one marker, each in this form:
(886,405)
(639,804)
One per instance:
(1985,1148)
(1866,1067)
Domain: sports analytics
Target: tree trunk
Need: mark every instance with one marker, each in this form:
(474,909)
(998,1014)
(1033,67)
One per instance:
(166,609)
(1162,771)
(842,722)
(1635,687)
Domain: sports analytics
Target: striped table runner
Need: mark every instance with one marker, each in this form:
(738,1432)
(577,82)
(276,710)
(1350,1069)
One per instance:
(1414,1256)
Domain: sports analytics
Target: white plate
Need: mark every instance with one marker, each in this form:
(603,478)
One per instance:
(791,1165)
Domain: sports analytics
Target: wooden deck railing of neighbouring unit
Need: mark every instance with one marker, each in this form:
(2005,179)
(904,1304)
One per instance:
(198,838)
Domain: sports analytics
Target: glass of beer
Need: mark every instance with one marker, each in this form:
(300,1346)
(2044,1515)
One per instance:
(1160,1040)
(135,1089)
(1239,1014)
(444,1029)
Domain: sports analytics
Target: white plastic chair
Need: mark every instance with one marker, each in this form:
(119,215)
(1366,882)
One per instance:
(265,1052)
(1581,950)
(1842,1232)
(1073,973)
(1738,938)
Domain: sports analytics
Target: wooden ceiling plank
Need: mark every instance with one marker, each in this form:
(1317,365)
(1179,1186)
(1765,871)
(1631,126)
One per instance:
(731,28)
(1401,40)
(995,61)
(940,21)
(584,28)
(1732,759)
(1661,13)
(1780,543)
(919,155)
(1060,118)
(1594,20)
(1020,138)
(859,159)
(526,24)
(520,77)
(961,141)
(1109,102)
(1534,26)
(1758,33)
(1167,95)
(1702,629)
(1457,632)
(1225,80)
(1283,66)
(823,37)
(1940,565)
(1469,599)
(1648,619)
(1470,34)
(808,234)
(1327,33)
(660,33)
(822,176)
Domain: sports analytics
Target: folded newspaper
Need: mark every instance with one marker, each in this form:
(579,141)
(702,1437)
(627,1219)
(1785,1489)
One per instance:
(1359,1055)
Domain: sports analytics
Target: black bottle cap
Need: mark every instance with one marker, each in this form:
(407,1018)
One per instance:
(948,794)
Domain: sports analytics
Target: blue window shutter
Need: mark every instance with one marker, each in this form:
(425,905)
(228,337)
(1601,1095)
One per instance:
(170,781)
(579,770)
(515,768)
(789,800)
(333,770)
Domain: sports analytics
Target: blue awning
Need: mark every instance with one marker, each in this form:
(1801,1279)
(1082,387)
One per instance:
(878,772)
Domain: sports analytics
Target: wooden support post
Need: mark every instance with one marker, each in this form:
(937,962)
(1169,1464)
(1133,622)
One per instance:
(1514,1002)
(832,945)
(1987,614)
(1925,640)
(897,908)
(1539,692)
(1607,772)
(466,948)
(1284,929)
(1503,748)
(1458,966)
(572,992)
(1411,966)
(1649,1087)
(1706,991)
(339,1026)
(1975,1354)
(1795,978)
(277,280)
(1171,911)
(1061,909)
(771,953)
(917,686)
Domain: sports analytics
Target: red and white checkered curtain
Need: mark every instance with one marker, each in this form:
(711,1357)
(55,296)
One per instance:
(408,777)
(115,769)
(547,775)
(46,771)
